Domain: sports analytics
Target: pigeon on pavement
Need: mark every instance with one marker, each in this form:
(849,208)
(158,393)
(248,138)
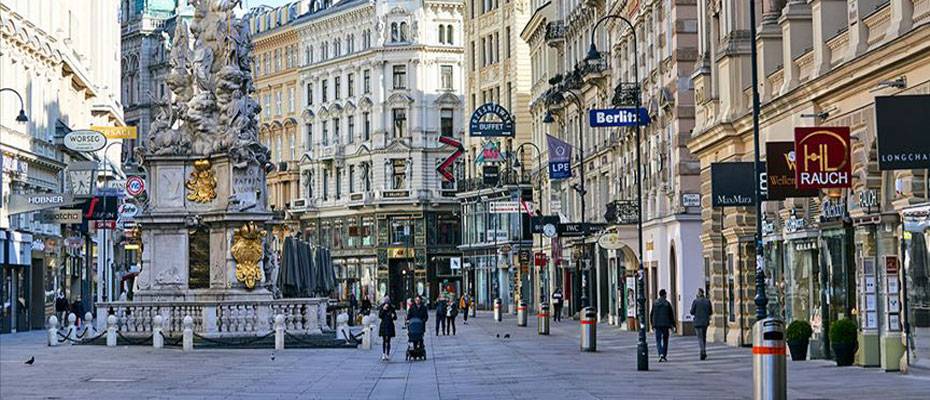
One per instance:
(30,361)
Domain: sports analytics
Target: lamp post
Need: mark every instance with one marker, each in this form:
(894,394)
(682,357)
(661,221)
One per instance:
(538,187)
(21,118)
(642,349)
(580,188)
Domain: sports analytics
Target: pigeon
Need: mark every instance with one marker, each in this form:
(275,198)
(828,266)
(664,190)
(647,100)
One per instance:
(506,336)
(272,356)
(31,361)
(498,335)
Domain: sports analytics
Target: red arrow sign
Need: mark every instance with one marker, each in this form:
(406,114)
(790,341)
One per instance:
(443,168)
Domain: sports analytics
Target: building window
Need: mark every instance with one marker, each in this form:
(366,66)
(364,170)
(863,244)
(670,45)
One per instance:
(367,130)
(325,136)
(366,170)
(400,122)
(350,84)
(449,36)
(400,77)
(366,81)
(336,137)
(290,100)
(507,42)
(445,122)
(277,60)
(445,72)
(324,88)
(395,32)
(267,108)
(309,94)
(351,179)
(267,61)
(442,34)
(308,55)
(293,145)
(325,184)
(277,103)
(398,174)
(401,231)
(337,87)
(278,147)
(403,32)
(350,133)
(338,183)
(308,144)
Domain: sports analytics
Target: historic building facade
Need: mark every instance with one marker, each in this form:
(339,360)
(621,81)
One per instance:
(831,256)
(381,82)
(66,82)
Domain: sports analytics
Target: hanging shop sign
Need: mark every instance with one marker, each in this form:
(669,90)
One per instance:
(538,223)
(781,174)
(490,153)
(504,207)
(794,224)
(690,199)
(117,132)
(833,210)
(21,203)
(823,158)
(100,208)
(903,139)
(867,199)
(61,216)
(490,175)
(560,158)
(455,263)
(732,184)
(572,230)
(491,120)
(612,117)
(610,241)
(85,141)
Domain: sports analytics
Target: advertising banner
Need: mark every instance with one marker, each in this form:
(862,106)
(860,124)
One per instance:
(903,124)
(823,157)
(780,166)
(732,184)
(560,158)
(500,123)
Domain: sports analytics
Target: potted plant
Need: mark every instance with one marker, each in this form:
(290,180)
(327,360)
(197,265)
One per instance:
(843,341)
(798,336)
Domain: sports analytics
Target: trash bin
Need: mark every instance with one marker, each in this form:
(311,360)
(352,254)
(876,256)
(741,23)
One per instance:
(769,379)
(521,314)
(542,319)
(588,329)
(497,310)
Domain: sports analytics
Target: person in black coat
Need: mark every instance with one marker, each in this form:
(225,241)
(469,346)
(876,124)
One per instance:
(663,319)
(387,315)
(441,309)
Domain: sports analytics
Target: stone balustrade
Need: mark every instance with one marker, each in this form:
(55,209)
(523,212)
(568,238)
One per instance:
(216,319)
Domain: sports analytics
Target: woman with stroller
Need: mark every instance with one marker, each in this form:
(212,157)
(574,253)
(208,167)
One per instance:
(417,316)
(387,315)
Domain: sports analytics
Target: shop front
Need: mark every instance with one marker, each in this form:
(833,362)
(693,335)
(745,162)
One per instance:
(916,285)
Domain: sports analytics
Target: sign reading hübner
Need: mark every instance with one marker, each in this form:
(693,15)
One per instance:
(500,124)
(903,134)
(823,158)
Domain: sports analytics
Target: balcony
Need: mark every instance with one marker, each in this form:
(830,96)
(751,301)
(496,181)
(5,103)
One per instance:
(332,152)
(555,33)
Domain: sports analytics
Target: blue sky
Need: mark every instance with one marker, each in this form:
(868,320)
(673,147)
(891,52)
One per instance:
(272,3)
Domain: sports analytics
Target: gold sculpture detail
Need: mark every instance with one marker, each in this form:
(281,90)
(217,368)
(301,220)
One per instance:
(201,187)
(247,251)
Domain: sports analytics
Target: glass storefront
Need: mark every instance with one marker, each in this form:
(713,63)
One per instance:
(916,248)
(802,284)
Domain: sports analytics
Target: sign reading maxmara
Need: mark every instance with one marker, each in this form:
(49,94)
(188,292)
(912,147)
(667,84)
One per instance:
(500,126)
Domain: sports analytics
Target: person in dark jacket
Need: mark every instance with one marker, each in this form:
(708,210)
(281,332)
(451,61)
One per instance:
(353,305)
(61,307)
(387,315)
(451,312)
(365,308)
(662,319)
(441,309)
(557,305)
(418,310)
(701,309)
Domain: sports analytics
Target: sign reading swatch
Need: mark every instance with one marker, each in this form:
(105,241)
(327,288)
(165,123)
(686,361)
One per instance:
(732,184)
(903,124)
(823,158)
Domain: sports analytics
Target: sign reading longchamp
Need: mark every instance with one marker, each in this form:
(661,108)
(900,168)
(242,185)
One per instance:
(903,124)
(733,184)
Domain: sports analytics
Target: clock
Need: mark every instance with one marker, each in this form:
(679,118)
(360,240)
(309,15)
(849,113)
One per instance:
(549,230)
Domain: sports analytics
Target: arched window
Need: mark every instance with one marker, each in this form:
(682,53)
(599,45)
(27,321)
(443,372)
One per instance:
(403,32)
(395,33)
(449,34)
(442,34)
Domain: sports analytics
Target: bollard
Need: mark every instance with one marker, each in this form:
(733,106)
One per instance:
(53,331)
(588,329)
(279,332)
(188,334)
(521,314)
(89,324)
(542,319)
(72,330)
(497,310)
(158,341)
(366,332)
(111,331)
(769,380)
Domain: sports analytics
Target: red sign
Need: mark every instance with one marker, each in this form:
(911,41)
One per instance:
(105,224)
(540,259)
(891,265)
(823,158)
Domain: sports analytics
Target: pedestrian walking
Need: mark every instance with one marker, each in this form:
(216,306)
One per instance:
(441,309)
(557,304)
(451,313)
(701,309)
(464,307)
(418,311)
(61,307)
(387,314)
(662,319)
(365,307)
(353,305)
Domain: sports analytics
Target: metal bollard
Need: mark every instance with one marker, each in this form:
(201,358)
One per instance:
(188,334)
(769,378)
(279,332)
(588,329)
(53,331)
(158,341)
(542,319)
(111,331)
(521,314)
(498,316)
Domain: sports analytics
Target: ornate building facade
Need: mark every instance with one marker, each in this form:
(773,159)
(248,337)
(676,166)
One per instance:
(381,82)
(821,63)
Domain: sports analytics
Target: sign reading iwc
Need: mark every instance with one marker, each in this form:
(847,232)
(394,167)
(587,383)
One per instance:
(823,159)
(491,120)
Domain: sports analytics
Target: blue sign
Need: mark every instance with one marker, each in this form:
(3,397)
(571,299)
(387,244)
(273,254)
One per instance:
(501,126)
(619,117)
(560,170)
(560,158)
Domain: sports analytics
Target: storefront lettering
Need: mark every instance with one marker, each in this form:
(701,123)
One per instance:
(794,224)
(832,210)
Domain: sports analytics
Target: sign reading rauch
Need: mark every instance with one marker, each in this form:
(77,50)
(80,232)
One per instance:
(824,157)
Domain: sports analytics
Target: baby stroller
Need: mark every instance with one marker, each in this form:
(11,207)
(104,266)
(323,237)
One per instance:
(415,332)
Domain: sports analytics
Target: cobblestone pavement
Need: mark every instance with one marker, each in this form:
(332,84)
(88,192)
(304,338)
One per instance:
(475,364)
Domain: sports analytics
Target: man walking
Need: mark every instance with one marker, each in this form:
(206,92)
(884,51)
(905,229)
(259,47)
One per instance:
(441,310)
(662,319)
(557,304)
(701,309)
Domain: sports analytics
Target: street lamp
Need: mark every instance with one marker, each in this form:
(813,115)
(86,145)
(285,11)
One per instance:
(21,117)
(642,349)
(548,119)
(538,187)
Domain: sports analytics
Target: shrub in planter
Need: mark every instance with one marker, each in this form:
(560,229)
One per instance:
(798,336)
(843,340)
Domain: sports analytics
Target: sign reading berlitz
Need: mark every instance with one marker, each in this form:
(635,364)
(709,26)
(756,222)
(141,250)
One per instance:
(823,158)
(903,124)
(781,163)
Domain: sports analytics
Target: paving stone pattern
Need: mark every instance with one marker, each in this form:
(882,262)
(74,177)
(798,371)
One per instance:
(475,364)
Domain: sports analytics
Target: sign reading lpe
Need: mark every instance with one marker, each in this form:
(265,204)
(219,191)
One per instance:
(822,157)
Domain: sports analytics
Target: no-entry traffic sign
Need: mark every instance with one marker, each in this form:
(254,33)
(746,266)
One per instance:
(135,185)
